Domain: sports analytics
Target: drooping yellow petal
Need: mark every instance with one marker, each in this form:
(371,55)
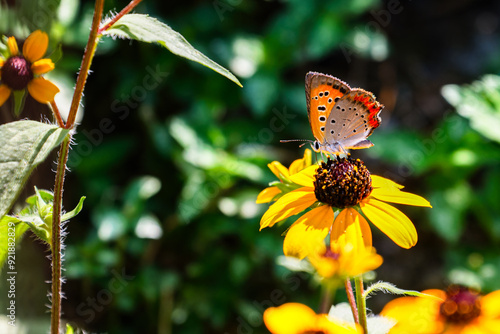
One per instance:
(2,61)
(308,232)
(301,164)
(394,195)
(35,45)
(12,45)
(267,195)
(278,169)
(305,177)
(382,182)
(290,318)
(390,221)
(42,66)
(350,217)
(288,205)
(4,94)
(416,315)
(42,90)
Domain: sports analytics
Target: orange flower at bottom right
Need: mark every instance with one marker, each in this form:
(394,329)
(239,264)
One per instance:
(459,310)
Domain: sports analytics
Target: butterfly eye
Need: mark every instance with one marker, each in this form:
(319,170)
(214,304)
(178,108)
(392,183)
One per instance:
(316,146)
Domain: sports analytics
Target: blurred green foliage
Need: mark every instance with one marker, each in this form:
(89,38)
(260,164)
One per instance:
(168,239)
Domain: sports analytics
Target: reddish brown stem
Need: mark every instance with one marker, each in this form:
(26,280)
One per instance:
(115,18)
(352,300)
(57,115)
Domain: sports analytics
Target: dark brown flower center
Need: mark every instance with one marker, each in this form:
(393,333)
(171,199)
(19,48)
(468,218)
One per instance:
(461,305)
(313,332)
(16,73)
(342,183)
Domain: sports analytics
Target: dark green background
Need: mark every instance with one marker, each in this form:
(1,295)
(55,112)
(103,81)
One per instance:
(208,142)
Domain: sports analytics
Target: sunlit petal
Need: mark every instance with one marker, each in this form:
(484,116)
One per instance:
(305,177)
(42,90)
(267,195)
(382,182)
(42,66)
(390,221)
(4,94)
(349,217)
(35,45)
(394,195)
(301,164)
(12,45)
(288,205)
(490,305)
(416,315)
(308,232)
(290,318)
(2,61)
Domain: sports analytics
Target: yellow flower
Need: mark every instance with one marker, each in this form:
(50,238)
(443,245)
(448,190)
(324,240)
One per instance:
(23,71)
(272,193)
(457,311)
(346,186)
(346,257)
(295,318)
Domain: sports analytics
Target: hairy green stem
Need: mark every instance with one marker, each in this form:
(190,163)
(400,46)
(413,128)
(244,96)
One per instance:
(361,301)
(56,237)
(351,299)
(88,55)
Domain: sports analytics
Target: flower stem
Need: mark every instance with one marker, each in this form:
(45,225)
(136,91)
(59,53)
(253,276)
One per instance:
(57,114)
(115,18)
(56,237)
(352,301)
(329,290)
(360,300)
(86,61)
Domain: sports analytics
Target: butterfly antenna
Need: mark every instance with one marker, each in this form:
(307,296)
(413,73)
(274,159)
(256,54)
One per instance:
(289,140)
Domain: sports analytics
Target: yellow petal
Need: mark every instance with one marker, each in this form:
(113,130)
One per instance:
(416,315)
(349,217)
(390,221)
(267,195)
(42,90)
(42,66)
(382,182)
(278,169)
(288,205)
(12,45)
(305,177)
(1,64)
(308,232)
(290,318)
(490,305)
(395,195)
(35,45)
(301,164)
(4,94)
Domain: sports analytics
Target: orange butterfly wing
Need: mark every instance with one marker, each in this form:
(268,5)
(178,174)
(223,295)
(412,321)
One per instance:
(322,92)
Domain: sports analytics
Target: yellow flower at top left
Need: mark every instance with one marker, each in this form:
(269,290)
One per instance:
(19,71)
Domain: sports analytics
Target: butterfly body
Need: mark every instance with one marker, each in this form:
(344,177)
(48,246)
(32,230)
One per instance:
(341,117)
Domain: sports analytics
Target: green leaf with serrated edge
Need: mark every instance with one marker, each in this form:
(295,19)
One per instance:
(23,145)
(387,287)
(9,238)
(148,29)
(75,211)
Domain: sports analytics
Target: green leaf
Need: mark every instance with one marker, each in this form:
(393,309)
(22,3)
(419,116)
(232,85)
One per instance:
(11,233)
(75,211)
(148,29)
(69,329)
(19,98)
(24,145)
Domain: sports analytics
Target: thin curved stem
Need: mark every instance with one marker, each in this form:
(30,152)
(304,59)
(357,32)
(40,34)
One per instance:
(361,301)
(329,290)
(55,320)
(115,18)
(86,61)
(57,114)
(351,299)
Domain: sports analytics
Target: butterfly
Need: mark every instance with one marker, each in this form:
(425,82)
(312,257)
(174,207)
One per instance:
(341,117)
